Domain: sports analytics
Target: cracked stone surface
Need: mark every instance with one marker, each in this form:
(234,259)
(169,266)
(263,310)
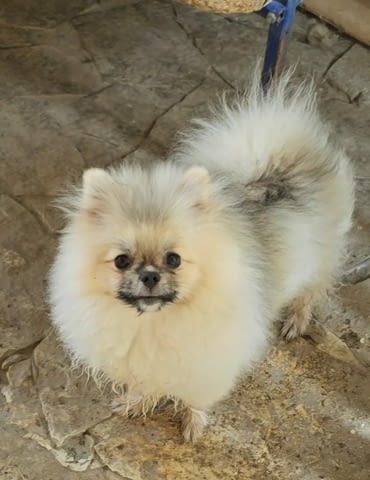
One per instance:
(356,87)
(93,83)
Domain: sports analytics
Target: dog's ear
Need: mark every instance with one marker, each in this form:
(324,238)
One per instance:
(97,187)
(195,186)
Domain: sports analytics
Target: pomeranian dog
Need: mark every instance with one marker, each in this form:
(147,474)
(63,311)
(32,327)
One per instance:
(167,279)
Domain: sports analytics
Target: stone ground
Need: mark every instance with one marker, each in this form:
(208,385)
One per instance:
(89,83)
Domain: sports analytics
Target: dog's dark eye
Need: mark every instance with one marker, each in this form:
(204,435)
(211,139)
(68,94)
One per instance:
(173,260)
(122,261)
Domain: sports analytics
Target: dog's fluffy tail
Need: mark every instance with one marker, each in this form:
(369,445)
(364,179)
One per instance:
(243,137)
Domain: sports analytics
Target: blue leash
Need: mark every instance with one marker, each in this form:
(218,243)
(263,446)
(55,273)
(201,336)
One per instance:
(280,15)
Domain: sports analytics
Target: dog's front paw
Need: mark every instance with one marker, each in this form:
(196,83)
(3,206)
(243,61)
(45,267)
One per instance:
(128,405)
(193,423)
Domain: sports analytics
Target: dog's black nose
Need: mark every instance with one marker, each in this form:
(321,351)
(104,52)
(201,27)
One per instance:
(149,279)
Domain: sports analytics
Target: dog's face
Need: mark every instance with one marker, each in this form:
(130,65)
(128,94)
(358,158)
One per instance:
(150,268)
(143,237)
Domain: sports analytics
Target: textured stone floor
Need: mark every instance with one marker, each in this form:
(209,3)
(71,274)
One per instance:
(89,83)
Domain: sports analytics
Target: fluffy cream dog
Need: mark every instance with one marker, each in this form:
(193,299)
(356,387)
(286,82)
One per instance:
(168,279)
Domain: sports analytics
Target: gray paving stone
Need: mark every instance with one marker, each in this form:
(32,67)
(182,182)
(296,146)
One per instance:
(350,73)
(48,64)
(25,249)
(71,404)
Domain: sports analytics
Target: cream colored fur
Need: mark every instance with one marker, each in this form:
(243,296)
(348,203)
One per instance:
(259,225)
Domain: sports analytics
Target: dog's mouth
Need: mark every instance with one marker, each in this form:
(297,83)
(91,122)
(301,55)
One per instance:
(147,303)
